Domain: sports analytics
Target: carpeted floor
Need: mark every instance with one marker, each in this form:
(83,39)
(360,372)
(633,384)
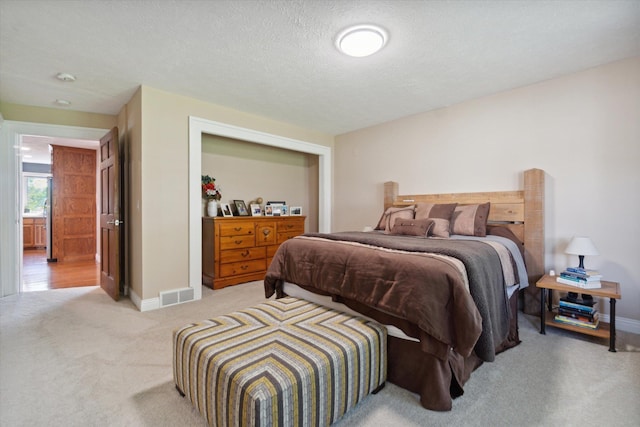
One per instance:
(73,357)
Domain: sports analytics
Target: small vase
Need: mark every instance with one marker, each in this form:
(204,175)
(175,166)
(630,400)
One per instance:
(212,207)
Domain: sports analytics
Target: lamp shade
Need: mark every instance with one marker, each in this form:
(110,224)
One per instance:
(581,246)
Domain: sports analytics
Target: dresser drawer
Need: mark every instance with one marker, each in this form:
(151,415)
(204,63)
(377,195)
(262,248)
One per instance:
(246,254)
(242,267)
(266,234)
(237,242)
(271,250)
(237,228)
(289,226)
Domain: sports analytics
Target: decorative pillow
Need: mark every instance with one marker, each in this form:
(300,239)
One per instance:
(391,214)
(440,228)
(412,227)
(435,210)
(470,220)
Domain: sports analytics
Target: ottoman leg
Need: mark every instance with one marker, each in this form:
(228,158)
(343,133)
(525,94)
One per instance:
(179,391)
(380,387)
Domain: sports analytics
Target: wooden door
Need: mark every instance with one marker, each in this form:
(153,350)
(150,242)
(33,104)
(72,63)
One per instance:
(74,204)
(111,229)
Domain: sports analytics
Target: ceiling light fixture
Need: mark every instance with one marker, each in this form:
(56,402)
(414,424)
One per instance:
(66,77)
(361,40)
(62,102)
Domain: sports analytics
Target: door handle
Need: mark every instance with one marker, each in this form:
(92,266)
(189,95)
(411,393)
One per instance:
(115,222)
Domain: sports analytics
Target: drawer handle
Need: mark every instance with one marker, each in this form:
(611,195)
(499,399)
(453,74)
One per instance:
(237,228)
(266,231)
(244,267)
(245,253)
(289,226)
(237,242)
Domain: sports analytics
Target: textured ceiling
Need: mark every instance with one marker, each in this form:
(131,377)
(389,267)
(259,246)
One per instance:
(277,58)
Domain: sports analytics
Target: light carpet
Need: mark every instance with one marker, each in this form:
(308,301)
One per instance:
(74,357)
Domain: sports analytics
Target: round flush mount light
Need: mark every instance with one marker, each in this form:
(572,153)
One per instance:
(361,40)
(62,102)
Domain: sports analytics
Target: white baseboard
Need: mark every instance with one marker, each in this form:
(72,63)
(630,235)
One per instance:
(623,323)
(135,299)
(144,305)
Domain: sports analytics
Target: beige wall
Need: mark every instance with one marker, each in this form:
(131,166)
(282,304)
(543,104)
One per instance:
(246,171)
(131,134)
(582,129)
(160,183)
(56,116)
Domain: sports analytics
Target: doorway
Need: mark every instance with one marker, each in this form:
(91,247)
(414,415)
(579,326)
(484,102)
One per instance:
(41,269)
(11,242)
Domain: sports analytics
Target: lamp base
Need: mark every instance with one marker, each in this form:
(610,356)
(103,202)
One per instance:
(572,297)
(583,299)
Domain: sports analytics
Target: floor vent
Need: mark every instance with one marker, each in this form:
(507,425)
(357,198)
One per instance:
(176,296)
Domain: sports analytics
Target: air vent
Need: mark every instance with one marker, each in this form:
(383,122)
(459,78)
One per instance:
(176,296)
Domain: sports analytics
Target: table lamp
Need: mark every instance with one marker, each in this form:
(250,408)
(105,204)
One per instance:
(581,246)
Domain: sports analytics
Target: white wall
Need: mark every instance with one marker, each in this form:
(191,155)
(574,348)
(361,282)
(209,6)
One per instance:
(582,129)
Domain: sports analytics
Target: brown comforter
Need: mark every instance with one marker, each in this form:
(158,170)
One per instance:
(403,277)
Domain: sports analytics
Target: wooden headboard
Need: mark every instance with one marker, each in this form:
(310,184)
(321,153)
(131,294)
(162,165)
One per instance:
(521,211)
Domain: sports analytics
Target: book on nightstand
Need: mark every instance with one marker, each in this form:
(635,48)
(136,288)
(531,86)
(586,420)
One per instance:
(578,312)
(580,278)
(575,322)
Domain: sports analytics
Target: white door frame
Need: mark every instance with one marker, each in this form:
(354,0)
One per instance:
(198,126)
(11,187)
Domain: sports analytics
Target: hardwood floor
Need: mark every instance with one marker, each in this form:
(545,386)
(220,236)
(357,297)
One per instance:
(40,275)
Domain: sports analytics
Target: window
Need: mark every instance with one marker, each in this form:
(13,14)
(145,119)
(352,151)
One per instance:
(35,194)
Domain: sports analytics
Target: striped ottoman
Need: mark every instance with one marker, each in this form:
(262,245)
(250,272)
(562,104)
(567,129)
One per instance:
(287,362)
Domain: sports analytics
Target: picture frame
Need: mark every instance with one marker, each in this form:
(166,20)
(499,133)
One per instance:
(276,209)
(226,210)
(256,210)
(285,210)
(295,211)
(268,210)
(276,203)
(241,208)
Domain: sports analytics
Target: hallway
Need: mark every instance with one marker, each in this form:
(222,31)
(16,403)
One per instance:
(39,275)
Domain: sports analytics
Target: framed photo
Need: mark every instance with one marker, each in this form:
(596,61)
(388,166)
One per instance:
(226,210)
(268,210)
(276,203)
(276,209)
(285,210)
(256,210)
(296,210)
(241,208)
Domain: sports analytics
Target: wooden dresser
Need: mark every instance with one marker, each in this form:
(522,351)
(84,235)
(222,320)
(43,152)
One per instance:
(239,249)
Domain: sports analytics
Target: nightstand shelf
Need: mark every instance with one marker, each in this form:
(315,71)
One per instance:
(603,330)
(611,290)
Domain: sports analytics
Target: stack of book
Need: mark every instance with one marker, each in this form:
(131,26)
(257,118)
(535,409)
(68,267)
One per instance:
(581,278)
(582,313)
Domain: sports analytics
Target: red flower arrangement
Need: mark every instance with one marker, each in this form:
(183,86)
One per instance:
(209,188)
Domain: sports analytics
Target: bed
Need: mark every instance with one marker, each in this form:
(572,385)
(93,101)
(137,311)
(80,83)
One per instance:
(449,300)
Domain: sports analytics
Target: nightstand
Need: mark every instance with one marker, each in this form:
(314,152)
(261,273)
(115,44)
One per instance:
(611,290)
